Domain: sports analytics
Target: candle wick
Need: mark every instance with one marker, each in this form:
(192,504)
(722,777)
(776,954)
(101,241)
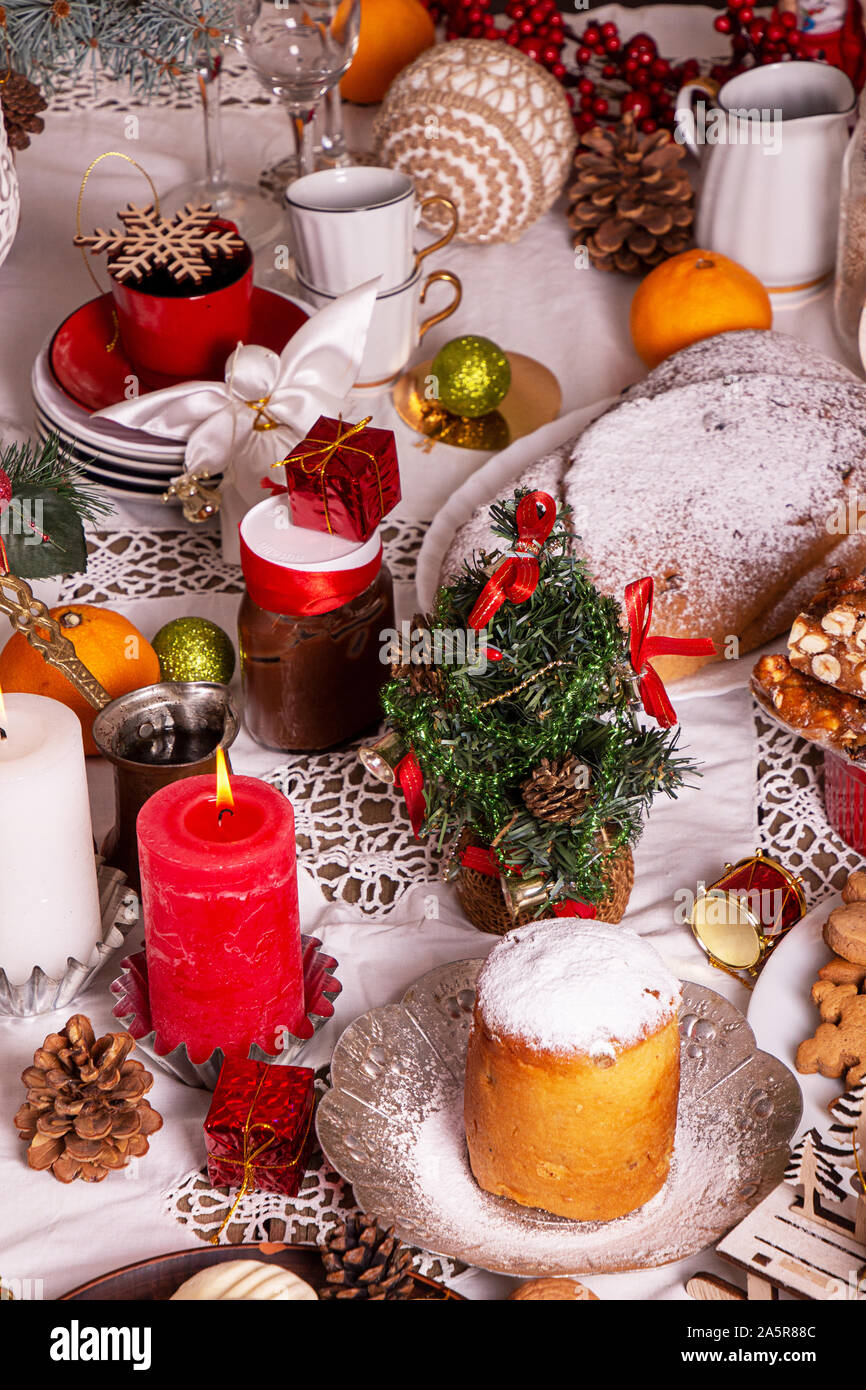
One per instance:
(226,810)
(3,734)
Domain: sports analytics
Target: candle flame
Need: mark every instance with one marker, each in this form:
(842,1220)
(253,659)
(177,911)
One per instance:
(224,799)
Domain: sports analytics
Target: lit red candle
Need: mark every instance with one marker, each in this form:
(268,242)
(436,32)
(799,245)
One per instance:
(221,923)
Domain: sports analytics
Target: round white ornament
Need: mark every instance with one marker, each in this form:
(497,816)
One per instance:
(10,199)
(484,125)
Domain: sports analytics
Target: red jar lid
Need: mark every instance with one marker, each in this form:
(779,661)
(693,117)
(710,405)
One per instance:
(289,569)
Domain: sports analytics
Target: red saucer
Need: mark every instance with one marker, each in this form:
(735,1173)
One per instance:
(94,378)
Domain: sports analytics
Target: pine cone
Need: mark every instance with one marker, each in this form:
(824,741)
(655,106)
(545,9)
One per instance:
(556,790)
(422,674)
(84,1113)
(632,204)
(362,1261)
(21,99)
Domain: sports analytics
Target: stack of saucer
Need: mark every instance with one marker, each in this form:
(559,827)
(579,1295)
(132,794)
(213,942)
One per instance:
(127,463)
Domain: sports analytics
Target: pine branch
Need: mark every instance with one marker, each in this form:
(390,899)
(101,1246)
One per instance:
(43,468)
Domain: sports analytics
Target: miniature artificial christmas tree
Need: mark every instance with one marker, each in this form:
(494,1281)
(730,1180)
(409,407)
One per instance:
(532,749)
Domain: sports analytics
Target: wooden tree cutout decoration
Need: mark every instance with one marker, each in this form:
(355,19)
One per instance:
(849,1130)
(185,245)
(810,1168)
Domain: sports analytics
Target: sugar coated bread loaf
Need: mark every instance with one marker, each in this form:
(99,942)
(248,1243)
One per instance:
(726,475)
(572,1071)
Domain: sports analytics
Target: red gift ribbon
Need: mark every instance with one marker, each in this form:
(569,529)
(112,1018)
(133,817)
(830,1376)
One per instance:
(639,610)
(516,578)
(410,779)
(572,908)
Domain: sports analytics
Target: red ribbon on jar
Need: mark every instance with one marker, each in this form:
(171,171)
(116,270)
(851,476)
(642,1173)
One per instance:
(516,579)
(643,648)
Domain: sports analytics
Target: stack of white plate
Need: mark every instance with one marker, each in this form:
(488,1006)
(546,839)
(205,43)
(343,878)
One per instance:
(125,462)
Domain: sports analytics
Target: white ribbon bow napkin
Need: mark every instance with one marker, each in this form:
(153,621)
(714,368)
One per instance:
(266,405)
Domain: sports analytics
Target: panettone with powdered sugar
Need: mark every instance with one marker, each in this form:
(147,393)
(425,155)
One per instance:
(720,475)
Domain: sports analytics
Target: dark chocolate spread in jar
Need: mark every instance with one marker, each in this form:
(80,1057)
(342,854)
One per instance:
(310,628)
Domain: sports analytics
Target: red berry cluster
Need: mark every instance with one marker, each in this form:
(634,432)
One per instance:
(616,75)
(464,19)
(651,79)
(538,30)
(756,40)
(537,27)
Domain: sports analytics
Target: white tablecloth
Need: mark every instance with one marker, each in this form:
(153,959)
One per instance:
(529,297)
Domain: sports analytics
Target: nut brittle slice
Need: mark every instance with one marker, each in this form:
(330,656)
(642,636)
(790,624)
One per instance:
(810,708)
(828,639)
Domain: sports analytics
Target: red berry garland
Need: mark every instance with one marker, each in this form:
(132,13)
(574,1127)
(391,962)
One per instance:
(614,75)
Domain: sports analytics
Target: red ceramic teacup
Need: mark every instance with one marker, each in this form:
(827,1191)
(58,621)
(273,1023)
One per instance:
(181,334)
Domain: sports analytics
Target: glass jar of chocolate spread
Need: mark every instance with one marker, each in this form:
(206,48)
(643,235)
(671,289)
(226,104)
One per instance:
(310,628)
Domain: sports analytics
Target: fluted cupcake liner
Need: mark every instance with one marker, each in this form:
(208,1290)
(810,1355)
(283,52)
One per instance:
(321,988)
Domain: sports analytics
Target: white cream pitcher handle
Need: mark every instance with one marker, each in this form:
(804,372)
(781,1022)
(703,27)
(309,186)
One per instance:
(685,125)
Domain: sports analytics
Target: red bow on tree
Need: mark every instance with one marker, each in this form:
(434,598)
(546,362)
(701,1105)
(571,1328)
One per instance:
(516,578)
(572,908)
(410,779)
(639,610)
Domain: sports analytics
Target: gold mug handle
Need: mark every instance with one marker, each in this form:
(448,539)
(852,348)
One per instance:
(449,235)
(449,309)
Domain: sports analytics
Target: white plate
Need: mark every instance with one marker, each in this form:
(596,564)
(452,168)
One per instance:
(782,1014)
(71,417)
(84,453)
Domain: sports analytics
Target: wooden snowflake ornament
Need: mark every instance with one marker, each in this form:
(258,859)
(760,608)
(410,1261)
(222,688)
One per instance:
(185,245)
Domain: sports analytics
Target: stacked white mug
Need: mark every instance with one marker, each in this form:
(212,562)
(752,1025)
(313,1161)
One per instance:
(350,225)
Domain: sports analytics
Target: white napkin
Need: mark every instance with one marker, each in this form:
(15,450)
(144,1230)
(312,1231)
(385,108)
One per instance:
(312,376)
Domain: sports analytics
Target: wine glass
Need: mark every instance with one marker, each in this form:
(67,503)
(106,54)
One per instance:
(299,50)
(254,215)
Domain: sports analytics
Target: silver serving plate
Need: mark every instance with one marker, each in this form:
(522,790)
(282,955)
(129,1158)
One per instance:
(392,1127)
(321,988)
(42,993)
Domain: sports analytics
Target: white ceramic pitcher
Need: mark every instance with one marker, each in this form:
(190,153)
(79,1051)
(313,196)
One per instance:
(771,144)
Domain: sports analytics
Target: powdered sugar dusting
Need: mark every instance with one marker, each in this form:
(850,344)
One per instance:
(576,987)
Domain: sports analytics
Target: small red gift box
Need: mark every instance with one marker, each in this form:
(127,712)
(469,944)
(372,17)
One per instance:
(259,1129)
(343,478)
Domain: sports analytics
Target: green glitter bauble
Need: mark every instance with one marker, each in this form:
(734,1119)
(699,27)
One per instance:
(194,649)
(472,376)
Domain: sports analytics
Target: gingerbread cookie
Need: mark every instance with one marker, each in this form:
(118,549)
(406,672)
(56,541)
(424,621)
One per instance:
(845,932)
(842,972)
(830,997)
(838,1047)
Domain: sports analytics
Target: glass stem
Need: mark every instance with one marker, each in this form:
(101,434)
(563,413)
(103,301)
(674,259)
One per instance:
(334,136)
(302,129)
(209,82)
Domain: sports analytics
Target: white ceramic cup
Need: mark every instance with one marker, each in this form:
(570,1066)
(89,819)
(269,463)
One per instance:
(396,327)
(350,225)
(771,143)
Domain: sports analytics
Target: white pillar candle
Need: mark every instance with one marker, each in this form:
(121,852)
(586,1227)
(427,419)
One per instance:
(49,902)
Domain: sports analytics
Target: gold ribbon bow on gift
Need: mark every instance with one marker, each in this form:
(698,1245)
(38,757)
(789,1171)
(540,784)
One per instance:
(249,1162)
(328,449)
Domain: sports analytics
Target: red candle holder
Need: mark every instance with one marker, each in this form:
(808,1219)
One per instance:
(845,799)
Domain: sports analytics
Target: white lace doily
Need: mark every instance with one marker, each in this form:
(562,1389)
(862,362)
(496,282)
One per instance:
(793,822)
(324,1199)
(92,90)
